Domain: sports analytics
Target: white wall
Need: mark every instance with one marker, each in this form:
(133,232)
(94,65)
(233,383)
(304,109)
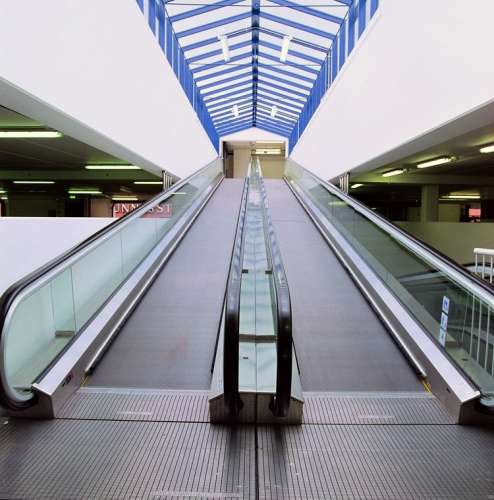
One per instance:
(94,70)
(455,239)
(29,243)
(419,65)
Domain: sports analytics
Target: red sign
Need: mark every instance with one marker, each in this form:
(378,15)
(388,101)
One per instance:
(164,210)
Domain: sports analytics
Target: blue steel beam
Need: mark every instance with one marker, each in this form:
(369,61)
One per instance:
(207,95)
(236,129)
(227,128)
(268,107)
(268,128)
(272,130)
(282,106)
(226,71)
(285,82)
(229,94)
(214,39)
(294,53)
(214,24)
(225,80)
(280,71)
(217,52)
(203,10)
(309,11)
(229,102)
(205,67)
(284,89)
(303,67)
(256,10)
(295,41)
(265,115)
(242,116)
(298,26)
(276,122)
(281,129)
(228,109)
(295,100)
(230,125)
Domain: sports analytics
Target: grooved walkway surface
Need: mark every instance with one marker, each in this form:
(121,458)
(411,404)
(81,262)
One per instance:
(341,344)
(168,342)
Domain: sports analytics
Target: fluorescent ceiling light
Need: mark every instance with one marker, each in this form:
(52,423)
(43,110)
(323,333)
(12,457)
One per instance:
(284,47)
(235,111)
(2,191)
(224,47)
(149,182)
(112,167)
(435,162)
(125,198)
(84,191)
(274,110)
(267,151)
(29,134)
(34,182)
(355,186)
(391,173)
(461,197)
(487,149)
(3,198)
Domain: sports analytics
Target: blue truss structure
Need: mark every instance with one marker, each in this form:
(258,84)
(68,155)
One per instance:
(274,93)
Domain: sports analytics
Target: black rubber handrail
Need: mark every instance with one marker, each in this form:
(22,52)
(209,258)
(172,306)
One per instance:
(368,214)
(231,338)
(284,340)
(8,297)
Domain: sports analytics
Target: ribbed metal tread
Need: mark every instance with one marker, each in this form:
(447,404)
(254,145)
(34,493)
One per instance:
(375,462)
(371,408)
(99,403)
(118,460)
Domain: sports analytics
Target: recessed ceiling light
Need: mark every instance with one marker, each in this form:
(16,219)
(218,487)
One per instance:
(34,182)
(85,191)
(112,167)
(394,172)
(29,134)
(284,47)
(435,162)
(355,186)
(224,47)
(125,198)
(487,149)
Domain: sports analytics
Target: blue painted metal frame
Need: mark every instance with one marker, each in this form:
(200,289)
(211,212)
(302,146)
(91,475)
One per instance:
(296,93)
(162,28)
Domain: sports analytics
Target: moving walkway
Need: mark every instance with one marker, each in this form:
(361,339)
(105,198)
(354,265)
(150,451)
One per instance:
(189,292)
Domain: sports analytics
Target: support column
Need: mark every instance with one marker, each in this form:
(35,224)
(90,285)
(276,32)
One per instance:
(429,208)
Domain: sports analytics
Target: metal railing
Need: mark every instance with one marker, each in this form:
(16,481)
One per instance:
(284,339)
(231,338)
(281,307)
(44,312)
(483,269)
(452,305)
